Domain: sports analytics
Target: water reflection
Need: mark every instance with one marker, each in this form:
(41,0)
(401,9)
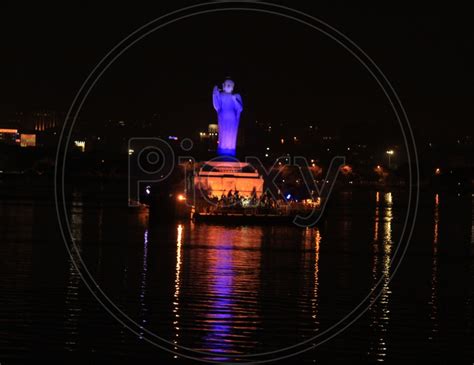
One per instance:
(433,302)
(177,285)
(381,262)
(310,263)
(233,290)
(232,286)
(472,224)
(469,303)
(219,286)
(143,285)
(315,297)
(220,315)
(72,299)
(228,282)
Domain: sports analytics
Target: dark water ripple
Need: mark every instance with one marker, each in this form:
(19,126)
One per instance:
(239,290)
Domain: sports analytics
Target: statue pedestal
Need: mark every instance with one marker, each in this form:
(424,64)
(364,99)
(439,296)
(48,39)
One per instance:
(218,177)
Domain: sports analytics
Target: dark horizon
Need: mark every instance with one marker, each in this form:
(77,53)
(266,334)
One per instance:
(284,71)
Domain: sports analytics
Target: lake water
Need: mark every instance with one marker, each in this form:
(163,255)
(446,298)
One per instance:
(235,291)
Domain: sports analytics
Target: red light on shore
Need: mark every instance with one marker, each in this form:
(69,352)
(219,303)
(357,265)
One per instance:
(181,198)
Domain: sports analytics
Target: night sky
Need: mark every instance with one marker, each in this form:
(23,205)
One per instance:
(285,72)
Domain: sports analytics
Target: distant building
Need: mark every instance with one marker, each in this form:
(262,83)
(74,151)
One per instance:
(80,145)
(32,121)
(212,128)
(40,121)
(210,136)
(9,136)
(28,140)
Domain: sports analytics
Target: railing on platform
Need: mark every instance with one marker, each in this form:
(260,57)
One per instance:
(284,209)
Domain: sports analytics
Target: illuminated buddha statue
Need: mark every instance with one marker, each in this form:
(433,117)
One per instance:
(228,107)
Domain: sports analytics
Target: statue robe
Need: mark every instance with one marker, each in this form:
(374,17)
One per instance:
(228,107)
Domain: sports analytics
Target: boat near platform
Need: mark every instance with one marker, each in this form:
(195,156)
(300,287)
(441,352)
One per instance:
(283,214)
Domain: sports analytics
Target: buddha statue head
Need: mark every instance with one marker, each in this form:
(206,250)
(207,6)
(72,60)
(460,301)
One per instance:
(228,86)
